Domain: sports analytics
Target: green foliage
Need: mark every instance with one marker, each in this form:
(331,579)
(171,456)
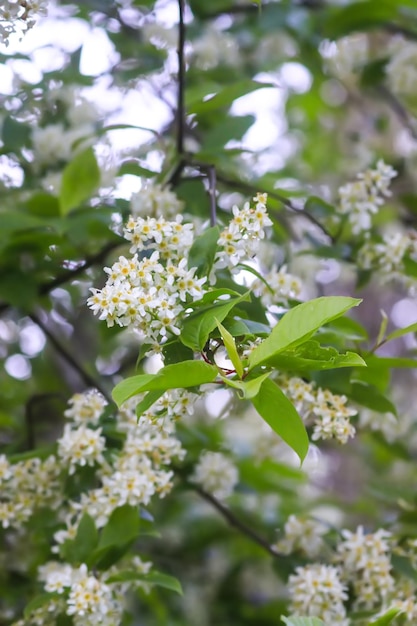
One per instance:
(80,179)
(277,411)
(298,325)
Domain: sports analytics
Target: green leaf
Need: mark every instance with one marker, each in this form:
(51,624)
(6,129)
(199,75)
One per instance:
(40,601)
(150,399)
(311,356)
(81,547)
(233,127)
(203,251)
(18,289)
(380,362)
(248,388)
(387,617)
(122,527)
(177,376)
(153,578)
(117,536)
(299,324)
(412,328)
(198,326)
(382,328)
(230,345)
(277,411)
(14,134)
(226,96)
(370,397)
(80,179)
(302,621)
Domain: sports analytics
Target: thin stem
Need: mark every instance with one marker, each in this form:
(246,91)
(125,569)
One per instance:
(69,358)
(212,179)
(234,521)
(249,187)
(181,79)
(399,110)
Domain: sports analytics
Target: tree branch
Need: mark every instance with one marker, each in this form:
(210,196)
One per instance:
(68,275)
(249,187)
(181,79)
(69,358)
(234,521)
(399,110)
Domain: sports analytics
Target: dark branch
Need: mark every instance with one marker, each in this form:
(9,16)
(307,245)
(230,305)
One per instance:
(250,188)
(399,110)
(212,179)
(235,521)
(69,358)
(181,79)
(69,275)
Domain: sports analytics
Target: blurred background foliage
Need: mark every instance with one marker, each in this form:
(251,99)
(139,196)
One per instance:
(291,97)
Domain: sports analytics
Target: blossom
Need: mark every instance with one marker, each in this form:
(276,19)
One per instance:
(328,411)
(301,534)
(154,200)
(86,408)
(18,16)
(277,287)
(365,561)
(361,199)
(81,446)
(92,600)
(240,239)
(216,474)
(317,591)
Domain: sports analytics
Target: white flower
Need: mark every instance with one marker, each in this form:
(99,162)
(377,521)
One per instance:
(216,474)
(277,287)
(153,200)
(86,408)
(361,199)
(317,591)
(239,241)
(365,561)
(81,446)
(301,534)
(215,47)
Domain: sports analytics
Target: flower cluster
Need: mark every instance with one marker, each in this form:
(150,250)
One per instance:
(365,559)
(301,534)
(216,47)
(327,411)
(277,287)
(58,141)
(361,199)
(149,294)
(154,200)
(18,16)
(27,486)
(216,474)
(86,408)
(133,475)
(317,591)
(239,241)
(388,256)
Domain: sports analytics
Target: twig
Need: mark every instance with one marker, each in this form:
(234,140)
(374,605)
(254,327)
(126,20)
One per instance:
(69,358)
(249,187)
(30,418)
(212,178)
(68,275)
(235,521)
(399,110)
(181,79)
